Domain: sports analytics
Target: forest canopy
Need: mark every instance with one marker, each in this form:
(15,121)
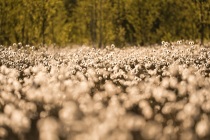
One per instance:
(103,22)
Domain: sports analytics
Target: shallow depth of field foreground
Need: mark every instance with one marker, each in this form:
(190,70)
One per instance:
(159,92)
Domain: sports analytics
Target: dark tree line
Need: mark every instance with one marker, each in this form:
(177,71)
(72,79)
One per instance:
(102,22)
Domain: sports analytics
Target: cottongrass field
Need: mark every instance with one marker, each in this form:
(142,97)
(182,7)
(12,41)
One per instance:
(136,93)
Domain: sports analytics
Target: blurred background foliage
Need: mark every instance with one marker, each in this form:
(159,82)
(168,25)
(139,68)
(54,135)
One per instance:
(102,22)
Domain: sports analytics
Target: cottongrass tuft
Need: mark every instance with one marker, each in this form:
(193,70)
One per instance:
(161,92)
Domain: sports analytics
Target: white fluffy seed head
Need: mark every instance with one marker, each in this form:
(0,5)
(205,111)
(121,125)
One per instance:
(70,112)
(202,128)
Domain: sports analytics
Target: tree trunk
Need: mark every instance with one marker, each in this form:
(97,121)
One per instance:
(100,25)
(202,24)
(44,19)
